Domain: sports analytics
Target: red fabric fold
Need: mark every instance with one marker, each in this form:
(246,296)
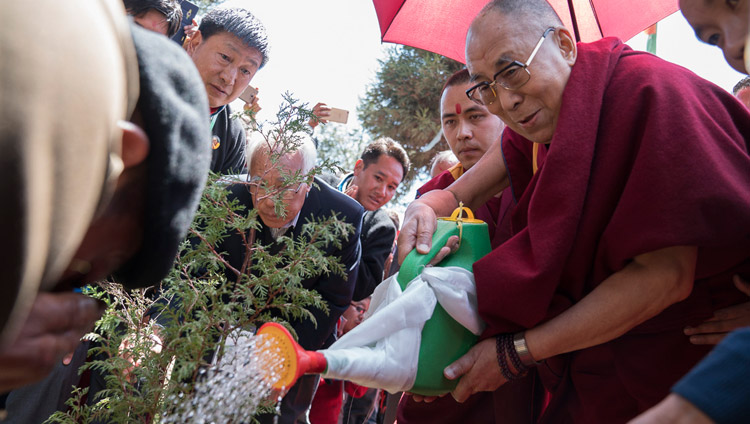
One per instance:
(646,155)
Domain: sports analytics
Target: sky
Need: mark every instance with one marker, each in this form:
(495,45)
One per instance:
(328,50)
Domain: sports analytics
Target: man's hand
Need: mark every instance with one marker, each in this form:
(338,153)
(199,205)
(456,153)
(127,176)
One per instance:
(713,330)
(478,369)
(420,221)
(54,327)
(253,107)
(673,410)
(190,31)
(351,191)
(322,111)
(126,348)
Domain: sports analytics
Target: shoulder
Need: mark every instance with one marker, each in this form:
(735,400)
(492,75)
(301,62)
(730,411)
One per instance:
(441,181)
(327,200)
(238,190)
(378,220)
(642,77)
(235,126)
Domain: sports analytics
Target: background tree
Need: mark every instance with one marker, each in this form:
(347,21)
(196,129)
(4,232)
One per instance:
(206,5)
(403,103)
(341,147)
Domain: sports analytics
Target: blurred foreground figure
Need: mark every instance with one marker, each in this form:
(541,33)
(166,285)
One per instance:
(716,390)
(162,16)
(85,193)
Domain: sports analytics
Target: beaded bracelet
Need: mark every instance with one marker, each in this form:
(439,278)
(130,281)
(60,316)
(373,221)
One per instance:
(500,347)
(504,346)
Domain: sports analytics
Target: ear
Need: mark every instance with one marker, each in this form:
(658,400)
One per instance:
(193,42)
(135,144)
(358,167)
(567,44)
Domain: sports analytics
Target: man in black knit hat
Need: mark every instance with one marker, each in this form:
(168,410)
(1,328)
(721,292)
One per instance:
(119,195)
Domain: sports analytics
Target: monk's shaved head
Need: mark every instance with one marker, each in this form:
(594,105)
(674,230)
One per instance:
(536,12)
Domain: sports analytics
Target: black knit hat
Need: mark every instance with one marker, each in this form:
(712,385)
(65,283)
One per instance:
(174,109)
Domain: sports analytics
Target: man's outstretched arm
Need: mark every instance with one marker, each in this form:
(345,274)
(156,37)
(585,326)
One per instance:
(485,179)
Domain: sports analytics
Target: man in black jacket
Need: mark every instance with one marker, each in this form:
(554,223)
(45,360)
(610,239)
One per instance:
(302,201)
(228,48)
(377,175)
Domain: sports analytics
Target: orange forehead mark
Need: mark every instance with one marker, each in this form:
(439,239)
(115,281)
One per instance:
(458,108)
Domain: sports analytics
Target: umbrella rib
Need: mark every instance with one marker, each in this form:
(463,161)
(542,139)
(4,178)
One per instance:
(572,10)
(596,18)
(382,36)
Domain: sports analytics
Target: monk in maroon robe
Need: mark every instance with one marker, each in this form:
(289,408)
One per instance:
(632,182)
(470,129)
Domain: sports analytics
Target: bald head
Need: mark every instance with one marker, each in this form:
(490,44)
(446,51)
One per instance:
(516,34)
(537,14)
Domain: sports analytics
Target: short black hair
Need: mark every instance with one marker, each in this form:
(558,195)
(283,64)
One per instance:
(240,23)
(386,146)
(171,9)
(744,83)
(459,77)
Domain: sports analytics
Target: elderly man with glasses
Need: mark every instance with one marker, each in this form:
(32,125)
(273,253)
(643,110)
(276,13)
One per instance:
(631,190)
(276,176)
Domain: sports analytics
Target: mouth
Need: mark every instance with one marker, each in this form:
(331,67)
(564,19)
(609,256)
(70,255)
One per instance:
(529,120)
(219,90)
(375,202)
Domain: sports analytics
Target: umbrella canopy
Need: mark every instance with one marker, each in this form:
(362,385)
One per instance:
(440,26)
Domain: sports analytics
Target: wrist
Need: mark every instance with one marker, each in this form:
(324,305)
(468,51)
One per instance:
(522,350)
(508,360)
(455,197)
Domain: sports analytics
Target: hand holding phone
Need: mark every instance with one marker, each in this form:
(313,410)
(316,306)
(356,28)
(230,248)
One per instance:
(338,115)
(248,96)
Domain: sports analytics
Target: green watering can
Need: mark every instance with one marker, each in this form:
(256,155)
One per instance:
(443,339)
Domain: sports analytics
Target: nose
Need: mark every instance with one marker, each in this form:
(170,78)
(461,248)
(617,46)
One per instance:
(464,130)
(266,203)
(734,43)
(382,189)
(228,75)
(507,100)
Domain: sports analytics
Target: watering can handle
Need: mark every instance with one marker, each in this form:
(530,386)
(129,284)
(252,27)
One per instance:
(415,261)
(457,214)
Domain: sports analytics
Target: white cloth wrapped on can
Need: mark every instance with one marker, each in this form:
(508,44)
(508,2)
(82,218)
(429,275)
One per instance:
(382,352)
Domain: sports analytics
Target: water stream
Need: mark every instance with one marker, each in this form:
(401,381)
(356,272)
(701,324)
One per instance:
(231,390)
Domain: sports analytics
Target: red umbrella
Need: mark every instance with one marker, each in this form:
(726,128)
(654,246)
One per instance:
(440,26)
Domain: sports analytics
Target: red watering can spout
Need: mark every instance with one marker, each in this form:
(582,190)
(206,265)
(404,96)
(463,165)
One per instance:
(296,360)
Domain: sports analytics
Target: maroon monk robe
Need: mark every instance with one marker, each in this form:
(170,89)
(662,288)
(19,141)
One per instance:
(646,155)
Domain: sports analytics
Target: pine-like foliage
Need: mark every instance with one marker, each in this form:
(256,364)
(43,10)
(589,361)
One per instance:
(198,306)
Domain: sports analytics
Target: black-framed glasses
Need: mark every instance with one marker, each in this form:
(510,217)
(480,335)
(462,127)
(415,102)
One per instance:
(359,308)
(258,190)
(512,77)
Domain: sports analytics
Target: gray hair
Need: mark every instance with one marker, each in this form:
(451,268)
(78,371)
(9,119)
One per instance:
(744,83)
(446,156)
(300,142)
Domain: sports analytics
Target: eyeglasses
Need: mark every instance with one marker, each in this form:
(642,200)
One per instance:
(359,308)
(258,190)
(511,77)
